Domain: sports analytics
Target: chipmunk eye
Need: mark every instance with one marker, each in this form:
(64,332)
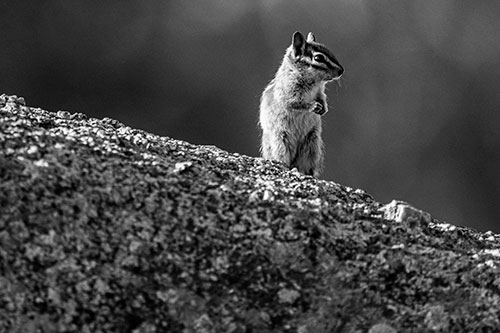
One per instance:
(319,57)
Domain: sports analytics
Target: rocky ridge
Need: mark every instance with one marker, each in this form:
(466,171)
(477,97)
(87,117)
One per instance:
(106,228)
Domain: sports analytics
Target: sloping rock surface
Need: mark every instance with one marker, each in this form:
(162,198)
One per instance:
(106,228)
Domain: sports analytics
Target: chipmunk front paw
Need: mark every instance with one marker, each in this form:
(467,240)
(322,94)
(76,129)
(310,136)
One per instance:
(318,108)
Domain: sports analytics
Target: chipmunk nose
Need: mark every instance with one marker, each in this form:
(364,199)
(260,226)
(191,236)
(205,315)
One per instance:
(340,71)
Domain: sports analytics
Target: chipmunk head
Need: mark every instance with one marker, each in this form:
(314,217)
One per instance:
(313,59)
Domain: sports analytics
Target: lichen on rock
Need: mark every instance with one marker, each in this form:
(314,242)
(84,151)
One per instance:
(106,228)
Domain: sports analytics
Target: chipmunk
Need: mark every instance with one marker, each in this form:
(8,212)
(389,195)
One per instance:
(292,104)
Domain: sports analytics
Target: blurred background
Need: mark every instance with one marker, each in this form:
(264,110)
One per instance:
(415,117)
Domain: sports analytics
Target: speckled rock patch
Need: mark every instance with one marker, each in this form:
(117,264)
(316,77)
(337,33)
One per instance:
(105,228)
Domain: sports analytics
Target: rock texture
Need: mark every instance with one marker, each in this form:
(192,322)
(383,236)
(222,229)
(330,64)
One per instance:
(105,228)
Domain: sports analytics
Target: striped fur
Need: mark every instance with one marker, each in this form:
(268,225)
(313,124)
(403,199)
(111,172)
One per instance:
(293,103)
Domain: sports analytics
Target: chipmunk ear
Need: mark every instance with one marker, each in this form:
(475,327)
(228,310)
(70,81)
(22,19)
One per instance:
(310,37)
(298,43)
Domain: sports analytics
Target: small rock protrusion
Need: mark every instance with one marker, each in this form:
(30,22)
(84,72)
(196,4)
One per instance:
(382,328)
(400,211)
(13,102)
(182,166)
(63,114)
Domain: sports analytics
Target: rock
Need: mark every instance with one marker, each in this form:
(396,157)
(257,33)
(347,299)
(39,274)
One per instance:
(106,228)
(400,211)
